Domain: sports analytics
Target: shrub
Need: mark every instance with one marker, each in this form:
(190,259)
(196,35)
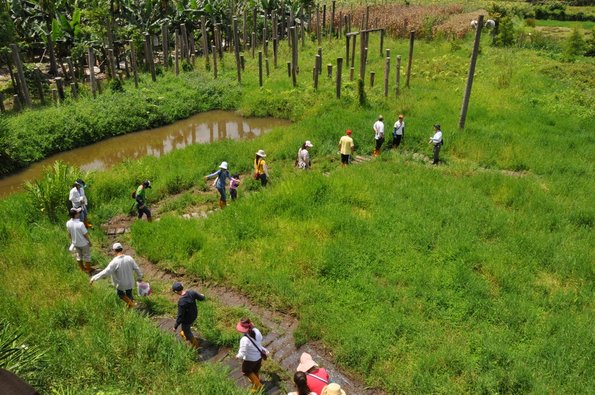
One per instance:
(575,45)
(116,86)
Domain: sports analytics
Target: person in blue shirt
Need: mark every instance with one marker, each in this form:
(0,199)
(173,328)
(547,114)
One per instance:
(187,311)
(222,176)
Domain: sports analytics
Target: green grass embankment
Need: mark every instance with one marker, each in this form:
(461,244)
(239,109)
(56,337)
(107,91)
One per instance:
(471,277)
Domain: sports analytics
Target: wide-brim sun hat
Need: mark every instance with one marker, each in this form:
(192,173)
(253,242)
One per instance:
(333,389)
(308,144)
(261,153)
(223,165)
(244,325)
(306,363)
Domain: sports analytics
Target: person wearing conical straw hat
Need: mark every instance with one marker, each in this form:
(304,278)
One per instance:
(333,389)
(261,172)
(222,176)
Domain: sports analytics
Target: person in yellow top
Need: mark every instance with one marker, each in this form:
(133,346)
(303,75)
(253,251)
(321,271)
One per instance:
(346,147)
(261,172)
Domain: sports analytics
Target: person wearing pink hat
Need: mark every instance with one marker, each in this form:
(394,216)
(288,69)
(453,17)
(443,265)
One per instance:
(317,378)
(251,352)
(333,389)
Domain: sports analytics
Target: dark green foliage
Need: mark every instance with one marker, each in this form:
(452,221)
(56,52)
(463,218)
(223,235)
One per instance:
(590,44)
(116,86)
(505,36)
(19,355)
(575,45)
(187,66)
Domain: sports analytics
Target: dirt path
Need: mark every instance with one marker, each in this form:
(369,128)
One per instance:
(279,340)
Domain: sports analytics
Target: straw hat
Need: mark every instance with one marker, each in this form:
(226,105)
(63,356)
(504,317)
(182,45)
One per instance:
(306,363)
(261,153)
(333,389)
(223,165)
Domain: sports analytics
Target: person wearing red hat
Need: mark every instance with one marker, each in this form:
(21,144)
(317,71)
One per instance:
(346,147)
(251,352)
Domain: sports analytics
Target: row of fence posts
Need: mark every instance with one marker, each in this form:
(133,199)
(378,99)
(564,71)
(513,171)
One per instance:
(185,49)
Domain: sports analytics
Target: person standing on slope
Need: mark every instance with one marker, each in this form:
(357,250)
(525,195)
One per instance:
(378,134)
(222,176)
(187,311)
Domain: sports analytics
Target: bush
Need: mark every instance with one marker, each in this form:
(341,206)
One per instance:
(19,356)
(575,45)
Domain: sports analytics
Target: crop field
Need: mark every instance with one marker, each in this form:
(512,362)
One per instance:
(473,276)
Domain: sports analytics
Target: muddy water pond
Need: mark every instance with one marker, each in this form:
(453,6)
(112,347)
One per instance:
(201,128)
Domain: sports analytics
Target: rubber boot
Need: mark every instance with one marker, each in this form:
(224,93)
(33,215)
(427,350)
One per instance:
(150,219)
(183,335)
(88,267)
(81,265)
(375,153)
(87,224)
(256,384)
(222,204)
(129,302)
(194,343)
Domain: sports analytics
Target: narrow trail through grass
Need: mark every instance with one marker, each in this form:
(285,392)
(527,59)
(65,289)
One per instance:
(279,339)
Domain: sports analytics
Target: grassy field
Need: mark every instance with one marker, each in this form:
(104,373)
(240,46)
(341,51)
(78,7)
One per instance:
(584,25)
(471,277)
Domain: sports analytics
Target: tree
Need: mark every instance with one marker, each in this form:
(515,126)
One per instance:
(575,45)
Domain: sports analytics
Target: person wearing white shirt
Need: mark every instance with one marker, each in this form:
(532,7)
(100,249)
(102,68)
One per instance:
(378,134)
(80,242)
(251,352)
(303,158)
(122,269)
(398,131)
(436,140)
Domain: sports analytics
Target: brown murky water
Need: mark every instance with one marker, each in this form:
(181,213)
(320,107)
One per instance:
(202,128)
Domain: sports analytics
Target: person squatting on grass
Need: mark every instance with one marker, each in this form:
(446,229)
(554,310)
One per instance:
(141,198)
(250,352)
(187,311)
(222,176)
(346,147)
(398,132)
(317,378)
(261,171)
(301,384)
(81,244)
(234,183)
(303,156)
(378,134)
(437,141)
(122,269)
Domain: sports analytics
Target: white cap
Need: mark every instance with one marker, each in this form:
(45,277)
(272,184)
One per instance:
(308,144)
(117,246)
(223,165)
(261,153)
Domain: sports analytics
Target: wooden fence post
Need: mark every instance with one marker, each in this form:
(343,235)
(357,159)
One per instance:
(333,18)
(253,45)
(259,68)
(23,89)
(2,108)
(339,71)
(112,63)
(329,70)
(318,32)
(177,52)
(74,90)
(319,60)
(315,77)
(372,78)
(410,60)
(16,103)
(266,63)
(242,62)
(214,62)
(351,73)
(347,50)
(205,41)
(60,86)
(471,73)
(39,83)
(386,76)
(289,69)
(275,48)
(151,63)
(294,55)
(71,70)
(398,82)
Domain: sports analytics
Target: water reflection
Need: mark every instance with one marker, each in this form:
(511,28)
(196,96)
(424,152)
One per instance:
(202,128)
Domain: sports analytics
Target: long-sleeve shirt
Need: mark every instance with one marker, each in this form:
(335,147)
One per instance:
(122,269)
(222,177)
(76,198)
(437,138)
(248,351)
(187,310)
